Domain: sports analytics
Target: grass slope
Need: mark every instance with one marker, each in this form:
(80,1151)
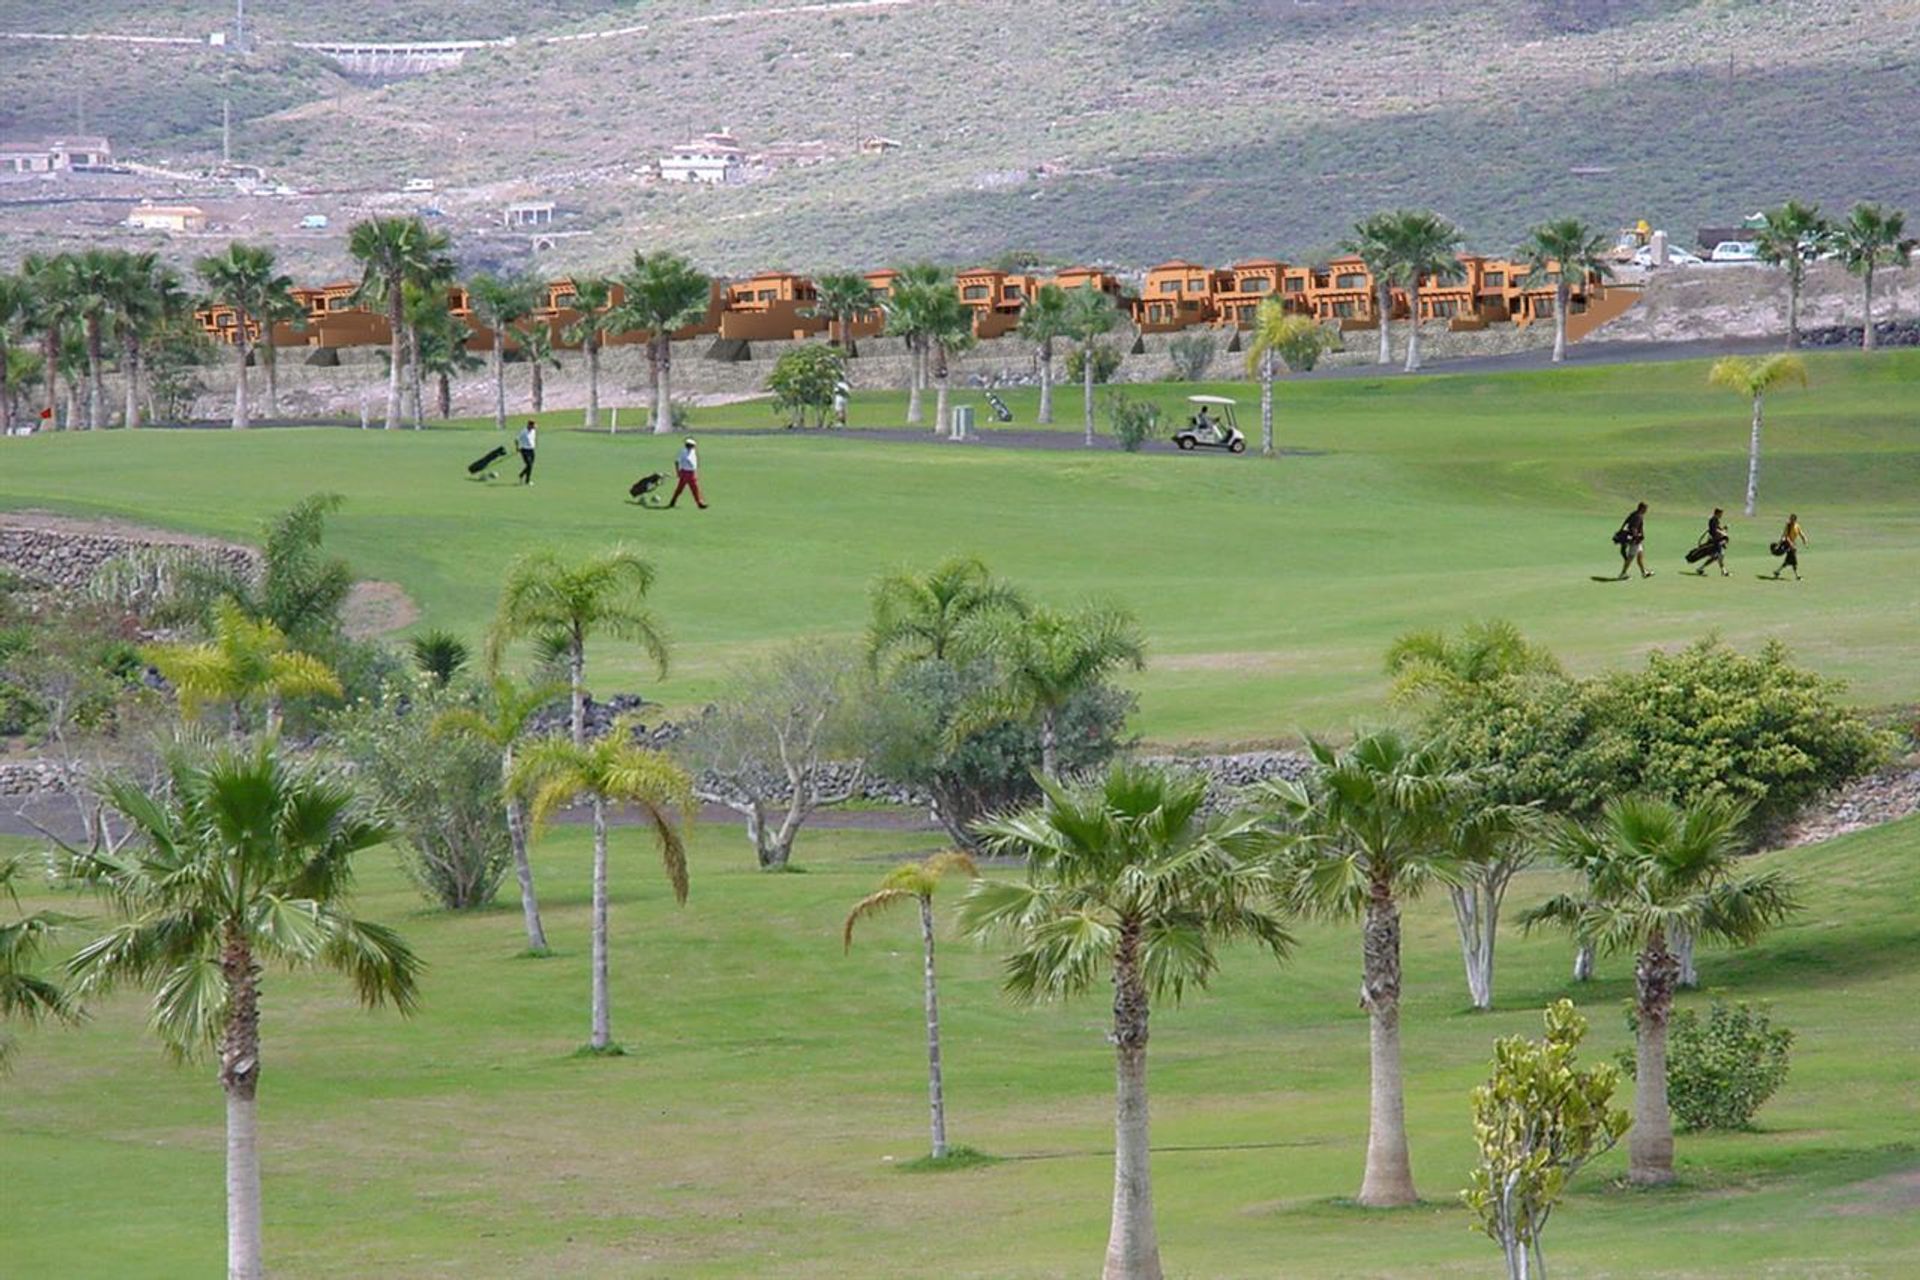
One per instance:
(772,1087)
(1269,589)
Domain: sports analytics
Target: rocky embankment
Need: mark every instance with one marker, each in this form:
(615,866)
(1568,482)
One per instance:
(63,553)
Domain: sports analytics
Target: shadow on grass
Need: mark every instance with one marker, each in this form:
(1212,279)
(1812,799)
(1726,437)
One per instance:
(614,1050)
(956,1158)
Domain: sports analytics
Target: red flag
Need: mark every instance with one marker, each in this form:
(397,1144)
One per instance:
(46,415)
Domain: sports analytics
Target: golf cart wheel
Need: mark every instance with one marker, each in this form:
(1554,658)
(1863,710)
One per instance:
(1238,446)
(1185,443)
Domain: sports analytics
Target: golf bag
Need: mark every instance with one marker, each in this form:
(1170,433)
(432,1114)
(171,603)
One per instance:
(1000,411)
(645,490)
(1702,552)
(475,467)
(1779,548)
(1621,537)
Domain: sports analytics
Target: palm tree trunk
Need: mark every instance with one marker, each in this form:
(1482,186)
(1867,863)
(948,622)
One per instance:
(1562,297)
(1050,743)
(1650,1143)
(416,377)
(1389,1176)
(602,1017)
(1867,342)
(577,683)
(592,421)
(239,1080)
(916,381)
(96,387)
(241,418)
(662,353)
(1475,914)
(1046,382)
(1133,1243)
(270,361)
(1753,455)
(1086,389)
(499,379)
(1413,326)
(396,350)
(1583,963)
(941,396)
(1266,402)
(1793,306)
(50,366)
(1689,976)
(443,389)
(936,1094)
(523,867)
(1383,307)
(130,413)
(537,392)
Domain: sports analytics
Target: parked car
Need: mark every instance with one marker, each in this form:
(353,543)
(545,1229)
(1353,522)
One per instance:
(314,222)
(416,185)
(1735,251)
(1675,257)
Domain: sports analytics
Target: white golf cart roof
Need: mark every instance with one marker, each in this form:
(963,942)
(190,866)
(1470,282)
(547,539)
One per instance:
(1211,400)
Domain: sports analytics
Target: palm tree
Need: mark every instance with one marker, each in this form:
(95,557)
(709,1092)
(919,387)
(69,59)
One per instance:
(663,292)
(1090,313)
(593,299)
(1425,247)
(909,309)
(392,252)
(28,997)
(244,278)
(443,338)
(1042,660)
(49,313)
(1372,242)
(1565,250)
(91,281)
(921,616)
(147,298)
(1872,236)
(1127,881)
(1278,335)
(504,722)
(244,860)
(1753,378)
(949,331)
(917,881)
(553,774)
(1657,869)
(1792,236)
(843,297)
(247,661)
(500,303)
(1376,821)
(16,307)
(1042,320)
(284,308)
(535,337)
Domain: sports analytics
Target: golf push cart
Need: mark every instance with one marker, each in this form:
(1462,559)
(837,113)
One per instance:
(1212,426)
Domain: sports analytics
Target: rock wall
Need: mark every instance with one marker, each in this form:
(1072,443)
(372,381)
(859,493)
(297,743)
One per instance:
(51,551)
(1741,300)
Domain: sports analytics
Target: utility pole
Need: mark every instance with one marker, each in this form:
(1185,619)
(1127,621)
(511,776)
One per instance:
(226,131)
(240,25)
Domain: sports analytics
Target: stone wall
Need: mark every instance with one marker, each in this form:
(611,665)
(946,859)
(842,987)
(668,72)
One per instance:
(26,779)
(63,554)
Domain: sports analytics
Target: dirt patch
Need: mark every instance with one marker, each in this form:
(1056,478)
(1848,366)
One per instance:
(1890,1193)
(377,608)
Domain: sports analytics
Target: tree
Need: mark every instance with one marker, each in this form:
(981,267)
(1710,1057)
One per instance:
(593,299)
(439,655)
(1538,1120)
(1873,236)
(1562,251)
(908,309)
(428,314)
(917,881)
(243,860)
(247,661)
(1493,842)
(501,722)
(1424,247)
(244,279)
(663,292)
(1090,313)
(1126,880)
(148,298)
(806,377)
(49,313)
(949,331)
(1754,377)
(1372,242)
(16,304)
(393,252)
(843,297)
(1656,867)
(443,339)
(90,280)
(918,616)
(535,338)
(500,303)
(1042,659)
(1296,340)
(1042,320)
(1376,822)
(1790,237)
(27,996)
(552,774)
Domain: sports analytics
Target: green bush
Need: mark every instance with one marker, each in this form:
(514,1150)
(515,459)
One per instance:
(1720,1072)
(1134,422)
(1106,363)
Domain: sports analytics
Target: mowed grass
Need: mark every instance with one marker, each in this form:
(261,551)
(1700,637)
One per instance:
(1268,589)
(773,1086)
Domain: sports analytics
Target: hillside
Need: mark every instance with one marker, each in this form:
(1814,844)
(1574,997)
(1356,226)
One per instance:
(1075,129)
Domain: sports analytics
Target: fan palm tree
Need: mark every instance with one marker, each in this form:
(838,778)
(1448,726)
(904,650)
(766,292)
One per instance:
(284,308)
(247,661)
(949,331)
(244,860)
(1043,319)
(1790,237)
(1376,822)
(425,308)
(921,616)
(1042,660)
(26,995)
(1656,868)
(1873,236)
(843,297)
(147,297)
(1373,243)
(244,278)
(49,313)
(91,281)
(393,252)
(916,881)
(1754,378)
(535,338)
(508,712)
(1090,313)
(1425,247)
(1126,881)
(552,774)
(1564,250)
(16,308)
(909,309)
(499,303)
(662,292)
(593,299)
(443,339)
(1278,336)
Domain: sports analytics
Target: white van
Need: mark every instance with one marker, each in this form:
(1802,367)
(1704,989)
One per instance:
(1735,251)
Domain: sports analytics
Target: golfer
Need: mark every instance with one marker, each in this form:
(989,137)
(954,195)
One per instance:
(1632,540)
(687,468)
(1715,541)
(1792,538)
(524,442)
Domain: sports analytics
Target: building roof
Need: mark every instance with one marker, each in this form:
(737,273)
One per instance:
(1178,264)
(175,210)
(1252,263)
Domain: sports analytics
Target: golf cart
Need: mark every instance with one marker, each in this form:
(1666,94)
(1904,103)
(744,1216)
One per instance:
(1212,426)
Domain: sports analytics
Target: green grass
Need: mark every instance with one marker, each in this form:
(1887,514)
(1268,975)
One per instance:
(1268,589)
(773,1088)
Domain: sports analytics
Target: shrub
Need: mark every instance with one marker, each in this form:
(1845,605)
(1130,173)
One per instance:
(1192,355)
(1720,1072)
(439,655)
(1134,421)
(805,378)
(1106,363)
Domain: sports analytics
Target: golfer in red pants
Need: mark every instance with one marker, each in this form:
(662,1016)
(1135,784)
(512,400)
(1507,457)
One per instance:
(687,468)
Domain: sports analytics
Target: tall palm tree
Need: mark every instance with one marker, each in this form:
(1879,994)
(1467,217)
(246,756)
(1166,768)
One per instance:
(916,881)
(1126,881)
(949,331)
(553,773)
(393,252)
(1372,242)
(147,298)
(1042,660)
(442,338)
(1564,250)
(425,305)
(508,711)
(1754,378)
(1790,237)
(593,299)
(535,336)
(243,860)
(1043,319)
(91,281)
(499,303)
(1090,313)
(283,308)
(1375,821)
(16,307)
(663,292)
(1655,868)
(247,661)
(27,995)
(909,309)
(244,278)
(1426,247)
(1279,336)
(919,616)
(1873,236)
(49,313)
(843,297)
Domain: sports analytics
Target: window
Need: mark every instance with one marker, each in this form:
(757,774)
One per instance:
(975,292)
(1196,286)
(1543,306)
(1014,292)
(1444,307)
(564,301)
(767,295)
(1296,285)
(1169,286)
(1344,309)
(1350,280)
(1496,279)
(1255,284)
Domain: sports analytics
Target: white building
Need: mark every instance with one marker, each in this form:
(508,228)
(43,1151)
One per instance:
(52,155)
(716,159)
